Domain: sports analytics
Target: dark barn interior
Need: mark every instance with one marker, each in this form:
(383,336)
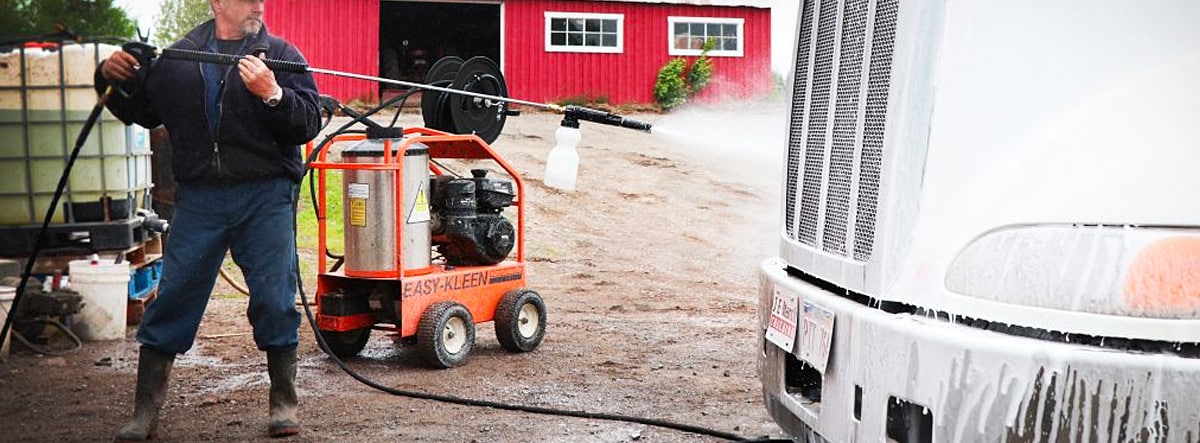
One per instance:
(414,35)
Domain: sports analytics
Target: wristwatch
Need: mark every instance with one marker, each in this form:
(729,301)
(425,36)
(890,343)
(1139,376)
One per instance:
(273,100)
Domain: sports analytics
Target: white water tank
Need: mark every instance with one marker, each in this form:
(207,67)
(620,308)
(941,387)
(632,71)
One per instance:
(46,94)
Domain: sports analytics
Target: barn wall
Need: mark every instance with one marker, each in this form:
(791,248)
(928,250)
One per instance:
(627,77)
(342,35)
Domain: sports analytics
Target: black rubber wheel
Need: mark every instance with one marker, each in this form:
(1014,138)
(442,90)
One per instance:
(346,343)
(445,334)
(521,320)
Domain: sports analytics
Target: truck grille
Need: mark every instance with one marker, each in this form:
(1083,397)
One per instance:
(835,143)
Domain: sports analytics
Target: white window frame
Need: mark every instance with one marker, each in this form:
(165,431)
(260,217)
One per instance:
(620,18)
(741,36)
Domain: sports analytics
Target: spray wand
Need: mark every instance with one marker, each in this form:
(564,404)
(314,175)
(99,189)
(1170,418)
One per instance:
(562,165)
(145,53)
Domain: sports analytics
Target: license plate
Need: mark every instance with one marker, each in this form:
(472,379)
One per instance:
(781,327)
(816,336)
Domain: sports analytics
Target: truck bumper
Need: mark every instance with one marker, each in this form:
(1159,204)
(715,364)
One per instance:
(907,377)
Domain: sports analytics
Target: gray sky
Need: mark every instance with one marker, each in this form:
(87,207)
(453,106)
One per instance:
(141,11)
(783,23)
(783,28)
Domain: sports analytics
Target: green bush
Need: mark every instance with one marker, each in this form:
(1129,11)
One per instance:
(677,83)
(670,90)
(701,71)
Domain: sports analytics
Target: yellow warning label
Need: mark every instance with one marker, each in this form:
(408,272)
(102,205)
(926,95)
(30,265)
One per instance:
(420,209)
(358,212)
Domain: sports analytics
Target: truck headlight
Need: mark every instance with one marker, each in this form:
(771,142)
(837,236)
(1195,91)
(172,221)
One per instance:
(1165,276)
(1147,272)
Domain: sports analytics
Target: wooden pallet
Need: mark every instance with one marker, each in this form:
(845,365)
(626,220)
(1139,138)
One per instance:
(137,256)
(136,308)
(144,254)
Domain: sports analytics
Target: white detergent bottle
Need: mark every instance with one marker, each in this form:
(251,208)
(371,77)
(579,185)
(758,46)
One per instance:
(562,165)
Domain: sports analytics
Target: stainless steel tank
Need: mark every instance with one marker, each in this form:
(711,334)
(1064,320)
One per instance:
(369,208)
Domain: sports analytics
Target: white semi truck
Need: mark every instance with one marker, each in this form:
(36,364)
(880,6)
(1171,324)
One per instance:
(990,228)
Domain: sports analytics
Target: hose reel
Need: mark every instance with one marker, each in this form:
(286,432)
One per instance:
(464,114)
(435,107)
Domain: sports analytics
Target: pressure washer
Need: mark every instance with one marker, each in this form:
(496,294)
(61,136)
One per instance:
(402,203)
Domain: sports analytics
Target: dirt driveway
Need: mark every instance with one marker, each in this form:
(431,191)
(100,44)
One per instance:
(648,275)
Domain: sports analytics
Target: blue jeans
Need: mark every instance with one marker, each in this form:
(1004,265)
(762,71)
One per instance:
(253,220)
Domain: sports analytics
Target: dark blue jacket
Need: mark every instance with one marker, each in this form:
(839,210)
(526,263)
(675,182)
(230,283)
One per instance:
(253,139)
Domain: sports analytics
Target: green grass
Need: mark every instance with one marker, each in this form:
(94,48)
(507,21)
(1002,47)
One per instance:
(588,100)
(306,220)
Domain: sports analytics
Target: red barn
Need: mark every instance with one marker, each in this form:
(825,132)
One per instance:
(548,50)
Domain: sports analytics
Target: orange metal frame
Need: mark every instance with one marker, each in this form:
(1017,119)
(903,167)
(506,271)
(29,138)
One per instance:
(478,288)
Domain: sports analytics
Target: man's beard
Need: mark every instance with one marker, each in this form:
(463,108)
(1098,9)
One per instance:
(251,26)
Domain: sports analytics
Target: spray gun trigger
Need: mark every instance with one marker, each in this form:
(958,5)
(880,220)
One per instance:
(144,53)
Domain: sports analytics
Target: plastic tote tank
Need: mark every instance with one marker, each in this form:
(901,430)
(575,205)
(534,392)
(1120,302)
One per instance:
(46,94)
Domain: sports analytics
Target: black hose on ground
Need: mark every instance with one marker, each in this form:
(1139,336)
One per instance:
(312,322)
(76,343)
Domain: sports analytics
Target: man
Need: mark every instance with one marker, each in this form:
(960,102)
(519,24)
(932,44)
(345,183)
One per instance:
(234,134)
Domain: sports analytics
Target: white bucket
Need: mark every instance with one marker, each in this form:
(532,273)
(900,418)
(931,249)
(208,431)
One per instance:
(105,291)
(7,295)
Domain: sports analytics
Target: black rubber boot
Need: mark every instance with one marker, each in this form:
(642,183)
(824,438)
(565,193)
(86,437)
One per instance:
(154,369)
(281,366)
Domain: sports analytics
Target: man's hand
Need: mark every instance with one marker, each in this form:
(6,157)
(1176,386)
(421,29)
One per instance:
(257,76)
(119,67)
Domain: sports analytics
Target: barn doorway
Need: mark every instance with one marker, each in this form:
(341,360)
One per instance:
(414,35)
